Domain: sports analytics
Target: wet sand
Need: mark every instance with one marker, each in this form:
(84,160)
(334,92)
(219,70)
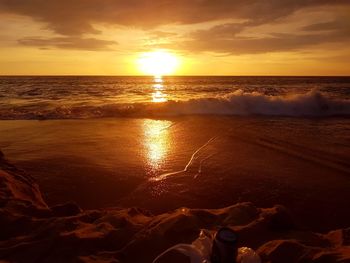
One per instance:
(302,164)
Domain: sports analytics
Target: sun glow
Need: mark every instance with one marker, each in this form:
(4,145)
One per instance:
(158,63)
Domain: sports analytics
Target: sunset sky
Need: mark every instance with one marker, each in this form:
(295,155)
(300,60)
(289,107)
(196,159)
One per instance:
(221,37)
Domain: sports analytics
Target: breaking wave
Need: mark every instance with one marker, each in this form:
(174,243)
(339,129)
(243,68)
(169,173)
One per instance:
(311,104)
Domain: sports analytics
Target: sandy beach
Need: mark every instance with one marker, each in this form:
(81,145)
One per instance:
(34,232)
(196,162)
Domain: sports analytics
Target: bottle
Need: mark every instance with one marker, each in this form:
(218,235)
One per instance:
(221,248)
(224,248)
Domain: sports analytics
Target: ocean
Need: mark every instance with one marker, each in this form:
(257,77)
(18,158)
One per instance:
(165,143)
(96,97)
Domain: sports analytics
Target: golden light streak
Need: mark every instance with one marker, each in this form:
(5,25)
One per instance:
(156,141)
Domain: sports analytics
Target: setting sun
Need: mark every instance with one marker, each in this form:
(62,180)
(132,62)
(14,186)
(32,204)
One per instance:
(158,63)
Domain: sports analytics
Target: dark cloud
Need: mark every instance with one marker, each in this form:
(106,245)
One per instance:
(225,31)
(91,44)
(340,23)
(76,17)
(253,45)
(73,18)
(263,45)
(228,38)
(321,26)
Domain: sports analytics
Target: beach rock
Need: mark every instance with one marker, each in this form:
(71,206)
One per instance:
(340,237)
(33,232)
(68,209)
(281,220)
(19,193)
(286,251)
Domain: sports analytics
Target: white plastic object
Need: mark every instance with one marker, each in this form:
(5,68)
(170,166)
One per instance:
(200,249)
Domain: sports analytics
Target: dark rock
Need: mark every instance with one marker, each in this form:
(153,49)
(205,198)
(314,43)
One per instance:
(68,209)
(283,251)
(281,220)
(340,237)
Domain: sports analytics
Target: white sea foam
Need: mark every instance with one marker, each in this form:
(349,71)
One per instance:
(310,104)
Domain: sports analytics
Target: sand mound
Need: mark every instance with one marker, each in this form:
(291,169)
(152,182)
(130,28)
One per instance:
(33,232)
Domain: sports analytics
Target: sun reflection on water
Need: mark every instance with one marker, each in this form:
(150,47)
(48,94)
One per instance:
(157,142)
(158,94)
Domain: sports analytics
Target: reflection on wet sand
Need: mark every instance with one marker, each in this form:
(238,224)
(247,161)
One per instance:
(157,143)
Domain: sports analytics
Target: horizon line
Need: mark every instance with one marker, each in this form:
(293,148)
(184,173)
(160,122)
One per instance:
(199,75)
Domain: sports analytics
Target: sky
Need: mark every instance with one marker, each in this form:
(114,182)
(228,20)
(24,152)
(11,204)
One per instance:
(209,37)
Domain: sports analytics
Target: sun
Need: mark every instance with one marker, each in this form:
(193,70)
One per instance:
(158,63)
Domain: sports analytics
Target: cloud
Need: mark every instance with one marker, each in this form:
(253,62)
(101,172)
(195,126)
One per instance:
(162,34)
(91,44)
(254,45)
(73,18)
(340,23)
(232,38)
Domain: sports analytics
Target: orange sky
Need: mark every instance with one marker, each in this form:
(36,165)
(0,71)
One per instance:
(223,37)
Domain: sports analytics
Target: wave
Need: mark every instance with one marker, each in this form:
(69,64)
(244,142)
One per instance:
(310,104)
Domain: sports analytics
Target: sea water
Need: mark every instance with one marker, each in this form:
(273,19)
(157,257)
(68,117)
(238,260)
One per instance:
(95,97)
